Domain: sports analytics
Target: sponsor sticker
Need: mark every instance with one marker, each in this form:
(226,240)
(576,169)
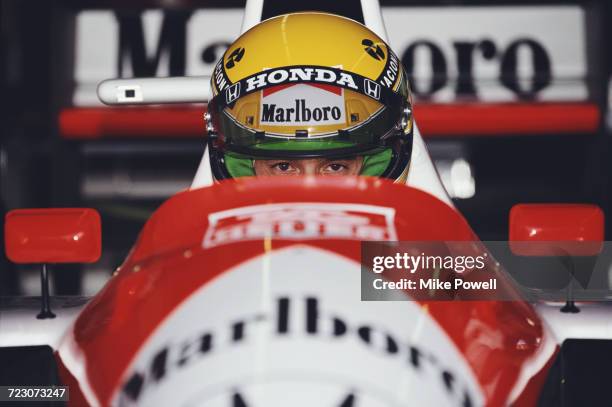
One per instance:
(301,221)
(302,104)
(232,93)
(372,89)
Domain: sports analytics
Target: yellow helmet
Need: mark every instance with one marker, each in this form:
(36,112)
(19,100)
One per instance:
(309,85)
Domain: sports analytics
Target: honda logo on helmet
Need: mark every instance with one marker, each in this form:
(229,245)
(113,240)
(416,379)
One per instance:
(232,93)
(371,88)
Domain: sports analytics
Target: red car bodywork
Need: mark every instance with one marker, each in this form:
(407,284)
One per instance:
(505,343)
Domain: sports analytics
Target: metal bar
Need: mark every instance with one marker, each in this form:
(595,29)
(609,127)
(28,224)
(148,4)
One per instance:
(45,311)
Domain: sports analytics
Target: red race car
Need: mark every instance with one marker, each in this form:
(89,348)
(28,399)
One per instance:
(294,291)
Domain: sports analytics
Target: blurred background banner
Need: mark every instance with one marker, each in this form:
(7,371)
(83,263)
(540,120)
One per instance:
(487,54)
(512,98)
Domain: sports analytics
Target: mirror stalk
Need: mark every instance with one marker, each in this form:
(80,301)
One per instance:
(45,300)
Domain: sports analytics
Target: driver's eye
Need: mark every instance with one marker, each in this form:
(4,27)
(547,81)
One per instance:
(334,168)
(282,166)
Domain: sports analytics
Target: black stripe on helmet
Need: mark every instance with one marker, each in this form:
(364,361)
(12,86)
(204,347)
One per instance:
(306,74)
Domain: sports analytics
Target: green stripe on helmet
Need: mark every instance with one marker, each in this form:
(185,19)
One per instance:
(309,145)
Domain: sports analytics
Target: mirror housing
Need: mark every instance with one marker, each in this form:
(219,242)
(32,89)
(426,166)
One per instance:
(53,235)
(556,229)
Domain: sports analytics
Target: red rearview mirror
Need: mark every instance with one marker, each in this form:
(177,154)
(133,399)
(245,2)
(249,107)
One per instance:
(556,229)
(54,235)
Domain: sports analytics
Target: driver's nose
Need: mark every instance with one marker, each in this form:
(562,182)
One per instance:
(308,167)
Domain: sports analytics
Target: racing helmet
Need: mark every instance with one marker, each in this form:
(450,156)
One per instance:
(309,85)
